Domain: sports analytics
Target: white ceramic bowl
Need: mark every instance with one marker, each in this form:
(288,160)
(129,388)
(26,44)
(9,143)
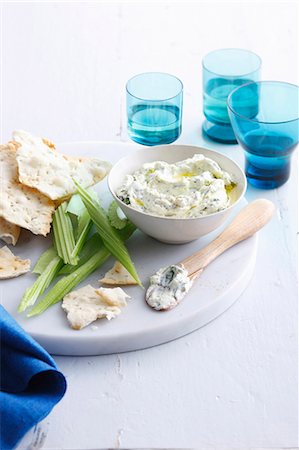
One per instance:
(168,229)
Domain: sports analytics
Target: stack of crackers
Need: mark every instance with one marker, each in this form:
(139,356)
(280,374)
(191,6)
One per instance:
(34,179)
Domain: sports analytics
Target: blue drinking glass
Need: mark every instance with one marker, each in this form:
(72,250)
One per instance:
(268,135)
(223,71)
(154,108)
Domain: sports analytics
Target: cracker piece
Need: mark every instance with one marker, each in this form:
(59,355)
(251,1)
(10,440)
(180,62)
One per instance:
(113,296)
(88,304)
(19,204)
(9,233)
(118,276)
(12,266)
(53,173)
(21,137)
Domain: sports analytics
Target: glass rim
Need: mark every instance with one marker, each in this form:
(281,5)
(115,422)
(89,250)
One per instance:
(235,75)
(156,73)
(255,120)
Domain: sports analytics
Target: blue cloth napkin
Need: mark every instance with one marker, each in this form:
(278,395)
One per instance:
(30,383)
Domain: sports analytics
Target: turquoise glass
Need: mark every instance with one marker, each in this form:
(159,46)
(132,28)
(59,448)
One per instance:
(223,71)
(269,136)
(154,108)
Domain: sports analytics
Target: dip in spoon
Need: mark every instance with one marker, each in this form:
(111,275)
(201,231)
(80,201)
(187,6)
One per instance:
(170,284)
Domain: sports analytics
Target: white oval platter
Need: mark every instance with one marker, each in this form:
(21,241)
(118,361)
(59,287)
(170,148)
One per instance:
(138,326)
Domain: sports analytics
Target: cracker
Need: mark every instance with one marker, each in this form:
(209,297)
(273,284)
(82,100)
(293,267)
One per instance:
(19,204)
(12,266)
(21,137)
(53,173)
(113,296)
(88,304)
(9,233)
(118,276)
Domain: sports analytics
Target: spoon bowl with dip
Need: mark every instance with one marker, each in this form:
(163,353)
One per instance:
(177,193)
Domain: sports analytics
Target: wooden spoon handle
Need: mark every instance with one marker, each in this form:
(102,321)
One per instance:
(249,220)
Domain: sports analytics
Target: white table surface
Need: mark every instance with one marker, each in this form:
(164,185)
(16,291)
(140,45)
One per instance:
(233,383)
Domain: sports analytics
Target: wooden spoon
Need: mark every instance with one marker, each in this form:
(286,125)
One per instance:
(167,288)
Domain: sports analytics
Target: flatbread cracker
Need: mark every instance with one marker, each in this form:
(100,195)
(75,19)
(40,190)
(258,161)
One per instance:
(12,266)
(21,137)
(88,304)
(9,233)
(19,204)
(118,276)
(113,296)
(53,173)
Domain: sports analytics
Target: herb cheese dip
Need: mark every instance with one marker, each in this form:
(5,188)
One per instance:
(167,287)
(191,188)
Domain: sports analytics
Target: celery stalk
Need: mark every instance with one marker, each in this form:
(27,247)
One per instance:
(114,218)
(64,240)
(108,234)
(89,249)
(83,220)
(75,206)
(67,283)
(93,244)
(84,226)
(41,283)
(44,260)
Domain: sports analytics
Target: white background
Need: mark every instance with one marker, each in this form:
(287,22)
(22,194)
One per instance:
(232,384)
